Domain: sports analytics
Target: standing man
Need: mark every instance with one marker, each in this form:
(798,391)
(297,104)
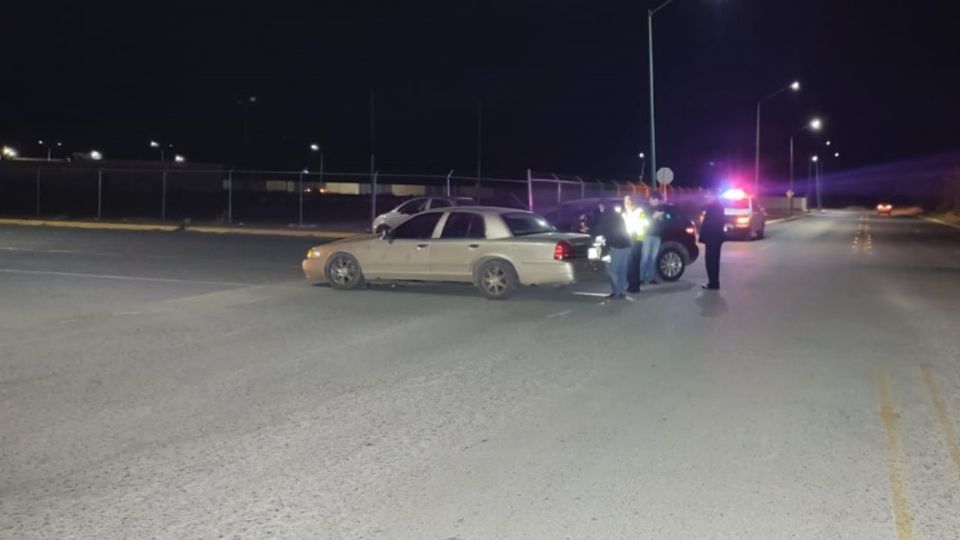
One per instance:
(637,225)
(712,236)
(651,244)
(613,228)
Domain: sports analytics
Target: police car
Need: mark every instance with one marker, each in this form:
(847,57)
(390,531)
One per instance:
(744,218)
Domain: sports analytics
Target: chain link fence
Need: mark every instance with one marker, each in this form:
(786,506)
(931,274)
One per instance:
(216,195)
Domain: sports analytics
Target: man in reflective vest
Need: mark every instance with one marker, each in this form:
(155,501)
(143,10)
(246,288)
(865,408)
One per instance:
(637,226)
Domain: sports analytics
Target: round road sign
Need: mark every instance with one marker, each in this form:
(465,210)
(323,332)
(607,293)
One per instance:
(665,176)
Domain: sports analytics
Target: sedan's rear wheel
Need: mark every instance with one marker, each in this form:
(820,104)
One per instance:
(672,261)
(343,272)
(497,279)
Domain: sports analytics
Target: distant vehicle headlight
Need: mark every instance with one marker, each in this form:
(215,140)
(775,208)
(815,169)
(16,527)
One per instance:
(314,253)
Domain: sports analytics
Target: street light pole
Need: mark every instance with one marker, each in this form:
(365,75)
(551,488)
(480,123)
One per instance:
(814,125)
(653,123)
(795,86)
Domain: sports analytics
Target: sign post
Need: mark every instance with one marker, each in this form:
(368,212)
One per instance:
(664,178)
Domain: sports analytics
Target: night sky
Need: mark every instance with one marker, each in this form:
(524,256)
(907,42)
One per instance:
(563,82)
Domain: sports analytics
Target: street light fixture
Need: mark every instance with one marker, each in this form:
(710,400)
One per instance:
(95,155)
(643,166)
(794,86)
(49,147)
(653,128)
(813,125)
(836,154)
(314,147)
(179,159)
(158,146)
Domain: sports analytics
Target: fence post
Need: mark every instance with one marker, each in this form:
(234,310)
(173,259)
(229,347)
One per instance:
(230,197)
(559,192)
(163,196)
(449,174)
(38,191)
(618,187)
(583,192)
(529,190)
(99,193)
(300,198)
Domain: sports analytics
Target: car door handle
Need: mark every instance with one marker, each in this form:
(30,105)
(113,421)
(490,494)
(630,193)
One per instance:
(473,246)
(421,246)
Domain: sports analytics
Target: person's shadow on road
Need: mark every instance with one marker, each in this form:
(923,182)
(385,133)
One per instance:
(711,303)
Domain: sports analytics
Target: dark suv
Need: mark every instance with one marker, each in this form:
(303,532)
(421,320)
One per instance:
(679,247)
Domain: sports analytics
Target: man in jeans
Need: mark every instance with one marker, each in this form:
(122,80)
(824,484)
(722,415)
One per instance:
(613,228)
(651,243)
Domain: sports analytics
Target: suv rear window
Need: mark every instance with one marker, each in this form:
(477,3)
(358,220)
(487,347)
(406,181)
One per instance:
(524,223)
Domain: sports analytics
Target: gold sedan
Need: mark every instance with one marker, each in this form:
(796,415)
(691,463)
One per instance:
(496,249)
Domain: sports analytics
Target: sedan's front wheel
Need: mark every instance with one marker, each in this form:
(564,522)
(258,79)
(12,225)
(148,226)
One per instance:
(343,272)
(497,279)
(672,261)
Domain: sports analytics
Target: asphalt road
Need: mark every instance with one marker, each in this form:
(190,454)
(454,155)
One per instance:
(173,385)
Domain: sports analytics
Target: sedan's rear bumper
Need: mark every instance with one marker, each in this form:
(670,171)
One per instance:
(556,273)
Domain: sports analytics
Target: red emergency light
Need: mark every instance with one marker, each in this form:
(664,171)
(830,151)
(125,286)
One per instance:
(734,194)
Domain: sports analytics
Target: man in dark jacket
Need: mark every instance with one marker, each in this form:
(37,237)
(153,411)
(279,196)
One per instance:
(613,228)
(712,236)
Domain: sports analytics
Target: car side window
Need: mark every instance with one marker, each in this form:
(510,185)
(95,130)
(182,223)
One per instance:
(464,225)
(441,203)
(412,206)
(418,227)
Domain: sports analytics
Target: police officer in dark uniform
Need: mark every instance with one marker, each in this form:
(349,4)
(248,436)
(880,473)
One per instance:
(712,237)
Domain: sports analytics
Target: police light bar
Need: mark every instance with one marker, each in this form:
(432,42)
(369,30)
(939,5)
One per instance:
(734,194)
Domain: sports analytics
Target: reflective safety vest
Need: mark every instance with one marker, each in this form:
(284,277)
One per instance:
(637,223)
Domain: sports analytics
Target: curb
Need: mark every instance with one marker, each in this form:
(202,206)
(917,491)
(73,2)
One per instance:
(791,218)
(941,222)
(271,232)
(94,225)
(88,225)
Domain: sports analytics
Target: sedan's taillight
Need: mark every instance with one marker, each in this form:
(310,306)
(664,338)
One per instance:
(563,251)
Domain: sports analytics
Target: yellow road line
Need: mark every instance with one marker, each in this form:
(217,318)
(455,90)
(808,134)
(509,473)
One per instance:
(943,416)
(891,426)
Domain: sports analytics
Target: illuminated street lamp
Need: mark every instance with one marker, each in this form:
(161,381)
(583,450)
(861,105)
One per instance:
(814,125)
(95,155)
(836,154)
(643,166)
(159,146)
(794,86)
(49,147)
(314,147)
(179,159)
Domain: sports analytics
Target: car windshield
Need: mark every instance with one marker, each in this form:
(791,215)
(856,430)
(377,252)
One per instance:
(526,223)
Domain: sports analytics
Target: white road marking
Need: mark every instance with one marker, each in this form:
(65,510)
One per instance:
(123,278)
(560,313)
(596,294)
